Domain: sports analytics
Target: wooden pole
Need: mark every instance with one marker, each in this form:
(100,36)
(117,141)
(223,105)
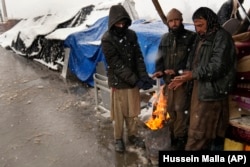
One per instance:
(5,17)
(243,9)
(159,10)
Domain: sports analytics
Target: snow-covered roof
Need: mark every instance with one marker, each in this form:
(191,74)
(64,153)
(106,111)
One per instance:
(47,25)
(31,37)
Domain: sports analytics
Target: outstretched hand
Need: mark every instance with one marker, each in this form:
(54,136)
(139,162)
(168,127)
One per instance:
(169,72)
(157,74)
(179,80)
(175,83)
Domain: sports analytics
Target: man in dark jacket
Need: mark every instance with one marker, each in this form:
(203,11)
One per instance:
(172,57)
(212,67)
(228,10)
(126,75)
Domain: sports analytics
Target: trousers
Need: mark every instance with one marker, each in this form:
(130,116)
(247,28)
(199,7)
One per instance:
(178,109)
(208,120)
(125,108)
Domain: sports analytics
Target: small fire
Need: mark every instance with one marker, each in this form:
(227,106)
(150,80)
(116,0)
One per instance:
(159,115)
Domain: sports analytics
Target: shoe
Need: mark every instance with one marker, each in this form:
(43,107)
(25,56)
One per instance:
(119,146)
(179,143)
(138,142)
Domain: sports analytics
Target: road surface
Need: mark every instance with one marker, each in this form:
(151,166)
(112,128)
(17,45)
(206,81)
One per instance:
(47,121)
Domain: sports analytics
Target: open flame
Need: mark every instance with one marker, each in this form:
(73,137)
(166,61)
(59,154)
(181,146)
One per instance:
(160,114)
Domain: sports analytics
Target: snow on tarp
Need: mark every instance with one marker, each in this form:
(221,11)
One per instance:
(85,49)
(100,10)
(42,38)
(28,37)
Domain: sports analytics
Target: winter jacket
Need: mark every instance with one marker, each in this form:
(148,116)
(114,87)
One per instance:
(170,57)
(125,63)
(216,67)
(225,12)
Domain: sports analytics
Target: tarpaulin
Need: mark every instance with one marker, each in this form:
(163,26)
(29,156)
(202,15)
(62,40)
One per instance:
(85,50)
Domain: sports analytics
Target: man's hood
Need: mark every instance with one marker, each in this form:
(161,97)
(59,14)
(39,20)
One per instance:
(117,13)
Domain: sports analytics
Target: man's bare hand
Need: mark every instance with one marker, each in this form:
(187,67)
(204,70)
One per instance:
(175,83)
(157,74)
(169,72)
(179,80)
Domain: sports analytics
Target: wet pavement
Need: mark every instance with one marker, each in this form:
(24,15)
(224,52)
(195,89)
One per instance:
(47,121)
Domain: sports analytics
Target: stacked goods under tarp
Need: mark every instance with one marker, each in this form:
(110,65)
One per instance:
(239,129)
(241,94)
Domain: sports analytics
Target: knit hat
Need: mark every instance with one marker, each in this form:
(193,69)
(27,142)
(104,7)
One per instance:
(174,14)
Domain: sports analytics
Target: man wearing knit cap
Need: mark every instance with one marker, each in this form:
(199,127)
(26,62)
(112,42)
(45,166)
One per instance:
(174,14)
(172,56)
(211,68)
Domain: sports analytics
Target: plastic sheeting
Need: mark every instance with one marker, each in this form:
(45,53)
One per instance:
(85,50)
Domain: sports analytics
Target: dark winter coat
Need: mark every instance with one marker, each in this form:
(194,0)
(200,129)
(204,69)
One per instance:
(225,12)
(122,53)
(170,57)
(216,68)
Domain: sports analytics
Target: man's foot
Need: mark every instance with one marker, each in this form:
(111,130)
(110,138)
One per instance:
(179,143)
(136,141)
(119,146)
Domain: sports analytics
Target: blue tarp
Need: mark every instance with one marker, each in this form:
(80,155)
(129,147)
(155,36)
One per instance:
(84,55)
(85,50)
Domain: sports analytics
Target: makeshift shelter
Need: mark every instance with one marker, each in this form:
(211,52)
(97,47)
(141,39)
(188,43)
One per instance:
(42,38)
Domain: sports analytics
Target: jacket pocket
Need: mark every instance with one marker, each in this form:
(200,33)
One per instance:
(225,84)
